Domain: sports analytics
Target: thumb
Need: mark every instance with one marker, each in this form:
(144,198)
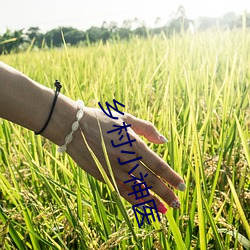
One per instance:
(144,128)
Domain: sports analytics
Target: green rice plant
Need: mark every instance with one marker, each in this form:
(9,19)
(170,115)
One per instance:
(194,88)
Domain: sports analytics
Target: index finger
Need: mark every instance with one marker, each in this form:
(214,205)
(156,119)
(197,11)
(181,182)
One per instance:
(144,128)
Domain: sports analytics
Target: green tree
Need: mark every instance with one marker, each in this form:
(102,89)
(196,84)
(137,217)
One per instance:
(34,33)
(72,36)
(13,41)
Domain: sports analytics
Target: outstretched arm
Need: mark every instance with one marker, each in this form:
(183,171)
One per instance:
(28,103)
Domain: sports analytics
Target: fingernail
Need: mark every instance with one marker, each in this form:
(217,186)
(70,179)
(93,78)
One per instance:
(162,209)
(181,186)
(163,138)
(175,204)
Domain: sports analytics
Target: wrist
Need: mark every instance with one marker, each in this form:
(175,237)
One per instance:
(61,120)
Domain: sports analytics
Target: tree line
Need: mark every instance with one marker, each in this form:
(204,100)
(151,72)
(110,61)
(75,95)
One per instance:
(20,40)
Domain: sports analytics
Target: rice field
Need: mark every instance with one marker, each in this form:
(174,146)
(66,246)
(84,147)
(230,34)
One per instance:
(196,91)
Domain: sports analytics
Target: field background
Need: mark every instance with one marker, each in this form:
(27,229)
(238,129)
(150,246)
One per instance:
(194,88)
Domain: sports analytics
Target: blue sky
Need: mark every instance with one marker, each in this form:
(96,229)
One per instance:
(81,14)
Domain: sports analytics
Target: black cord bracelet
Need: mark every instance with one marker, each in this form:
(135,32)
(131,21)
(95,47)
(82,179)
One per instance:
(58,87)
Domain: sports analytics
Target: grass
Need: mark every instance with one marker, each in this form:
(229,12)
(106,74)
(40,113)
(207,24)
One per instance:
(195,89)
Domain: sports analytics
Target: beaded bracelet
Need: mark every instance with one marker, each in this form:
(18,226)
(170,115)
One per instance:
(74,127)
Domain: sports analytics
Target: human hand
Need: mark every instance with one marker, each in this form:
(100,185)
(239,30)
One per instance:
(150,163)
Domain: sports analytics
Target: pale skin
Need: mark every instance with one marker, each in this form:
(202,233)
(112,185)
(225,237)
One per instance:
(28,103)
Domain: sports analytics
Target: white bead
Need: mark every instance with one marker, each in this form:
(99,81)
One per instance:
(69,138)
(62,149)
(80,103)
(75,126)
(79,114)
